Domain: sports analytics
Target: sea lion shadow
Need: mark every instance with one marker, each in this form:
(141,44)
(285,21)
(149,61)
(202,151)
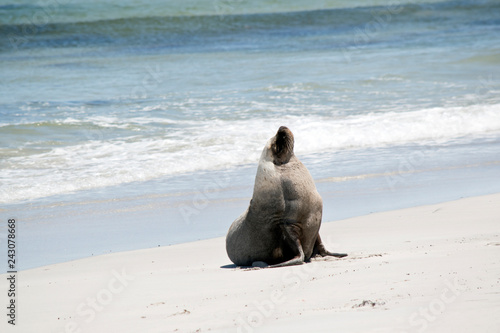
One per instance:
(243,268)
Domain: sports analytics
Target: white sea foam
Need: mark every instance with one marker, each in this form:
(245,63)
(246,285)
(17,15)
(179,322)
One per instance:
(434,125)
(218,144)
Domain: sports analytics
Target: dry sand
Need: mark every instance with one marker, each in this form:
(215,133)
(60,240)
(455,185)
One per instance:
(425,269)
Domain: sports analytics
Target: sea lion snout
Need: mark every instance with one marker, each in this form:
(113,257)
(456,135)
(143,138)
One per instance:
(283,129)
(284,133)
(283,145)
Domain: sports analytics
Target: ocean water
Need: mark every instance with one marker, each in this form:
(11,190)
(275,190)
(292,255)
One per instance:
(114,112)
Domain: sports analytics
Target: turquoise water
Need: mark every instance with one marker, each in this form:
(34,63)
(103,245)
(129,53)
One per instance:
(111,105)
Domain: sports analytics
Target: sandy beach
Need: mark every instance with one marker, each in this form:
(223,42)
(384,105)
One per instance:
(432,268)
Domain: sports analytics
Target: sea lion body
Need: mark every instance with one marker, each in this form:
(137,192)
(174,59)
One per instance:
(281,225)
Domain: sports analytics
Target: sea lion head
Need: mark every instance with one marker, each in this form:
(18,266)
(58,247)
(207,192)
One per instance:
(281,146)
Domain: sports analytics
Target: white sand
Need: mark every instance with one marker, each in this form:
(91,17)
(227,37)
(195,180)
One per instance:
(425,269)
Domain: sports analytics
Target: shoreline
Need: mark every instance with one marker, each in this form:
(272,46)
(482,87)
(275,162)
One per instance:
(200,206)
(428,268)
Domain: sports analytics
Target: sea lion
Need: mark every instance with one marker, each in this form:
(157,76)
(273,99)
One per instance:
(281,225)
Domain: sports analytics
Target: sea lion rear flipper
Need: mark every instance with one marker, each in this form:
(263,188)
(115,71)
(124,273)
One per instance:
(319,249)
(294,243)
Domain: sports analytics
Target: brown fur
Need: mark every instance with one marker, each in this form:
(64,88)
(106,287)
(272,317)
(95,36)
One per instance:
(281,225)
